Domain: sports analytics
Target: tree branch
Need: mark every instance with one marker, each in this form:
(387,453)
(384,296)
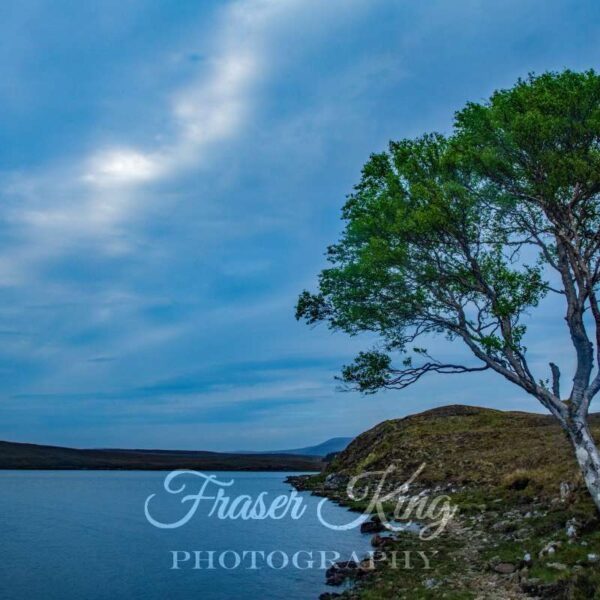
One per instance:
(409,376)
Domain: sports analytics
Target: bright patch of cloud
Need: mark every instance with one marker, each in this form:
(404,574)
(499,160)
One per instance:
(122,166)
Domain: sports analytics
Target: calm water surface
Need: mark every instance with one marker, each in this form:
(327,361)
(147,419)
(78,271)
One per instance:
(77,535)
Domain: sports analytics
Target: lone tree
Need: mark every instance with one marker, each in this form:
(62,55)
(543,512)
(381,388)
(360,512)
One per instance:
(464,235)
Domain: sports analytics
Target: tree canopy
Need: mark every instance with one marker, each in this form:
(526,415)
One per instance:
(463,235)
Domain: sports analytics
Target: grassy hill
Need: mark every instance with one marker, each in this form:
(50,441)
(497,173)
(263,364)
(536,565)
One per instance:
(467,445)
(525,526)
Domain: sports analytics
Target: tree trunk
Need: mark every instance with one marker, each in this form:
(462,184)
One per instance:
(587,456)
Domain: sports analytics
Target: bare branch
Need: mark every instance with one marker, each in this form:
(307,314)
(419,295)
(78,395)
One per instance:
(409,376)
(555,379)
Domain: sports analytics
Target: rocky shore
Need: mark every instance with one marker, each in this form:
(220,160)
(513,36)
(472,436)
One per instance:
(522,534)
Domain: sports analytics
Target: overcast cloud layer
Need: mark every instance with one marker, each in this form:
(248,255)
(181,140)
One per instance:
(170,175)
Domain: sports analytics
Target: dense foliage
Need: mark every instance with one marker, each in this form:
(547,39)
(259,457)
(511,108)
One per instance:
(463,235)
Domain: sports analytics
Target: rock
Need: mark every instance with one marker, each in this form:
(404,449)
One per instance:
(557,566)
(379,556)
(340,571)
(335,579)
(366,563)
(379,541)
(549,549)
(372,527)
(565,491)
(335,480)
(592,557)
(329,596)
(345,565)
(430,583)
(504,568)
(366,566)
(571,528)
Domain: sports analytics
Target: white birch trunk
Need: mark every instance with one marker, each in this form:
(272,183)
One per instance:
(587,455)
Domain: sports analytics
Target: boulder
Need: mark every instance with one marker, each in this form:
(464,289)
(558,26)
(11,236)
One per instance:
(335,579)
(504,568)
(367,565)
(372,527)
(379,541)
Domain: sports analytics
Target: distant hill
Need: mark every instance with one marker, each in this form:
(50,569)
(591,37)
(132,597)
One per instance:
(15,455)
(330,446)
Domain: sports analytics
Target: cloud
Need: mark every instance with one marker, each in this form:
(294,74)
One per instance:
(122,167)
(93,200)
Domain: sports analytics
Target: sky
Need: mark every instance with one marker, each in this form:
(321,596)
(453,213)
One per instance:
(170,176)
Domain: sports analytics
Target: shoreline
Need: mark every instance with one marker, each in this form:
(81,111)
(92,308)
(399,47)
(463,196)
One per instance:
(352,576)
(501,546)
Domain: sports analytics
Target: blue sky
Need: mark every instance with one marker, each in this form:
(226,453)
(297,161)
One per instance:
(170,175)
